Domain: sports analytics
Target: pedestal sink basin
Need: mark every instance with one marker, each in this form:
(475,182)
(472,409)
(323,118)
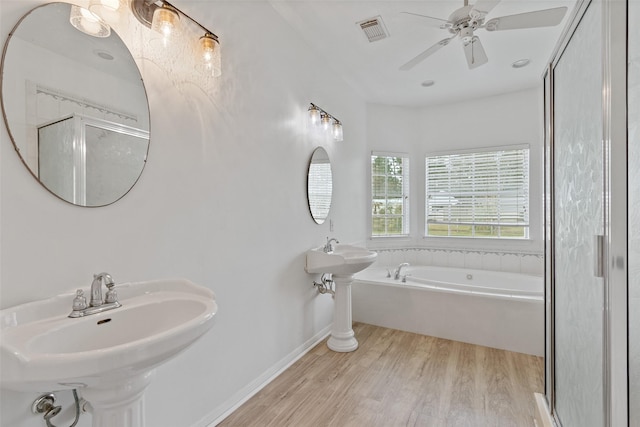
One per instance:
(108,356)
(343,260)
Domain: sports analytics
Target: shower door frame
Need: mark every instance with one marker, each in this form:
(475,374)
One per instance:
(615,256)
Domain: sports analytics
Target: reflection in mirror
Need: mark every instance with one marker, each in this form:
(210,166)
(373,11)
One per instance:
(319,185)
(75,107)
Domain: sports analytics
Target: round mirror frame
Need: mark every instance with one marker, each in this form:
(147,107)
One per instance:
(104,126)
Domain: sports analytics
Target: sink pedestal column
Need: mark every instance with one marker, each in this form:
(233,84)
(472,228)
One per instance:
(120,404)
(342,337)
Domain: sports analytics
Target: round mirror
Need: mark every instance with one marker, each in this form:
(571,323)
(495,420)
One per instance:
(319,185)
(74,105)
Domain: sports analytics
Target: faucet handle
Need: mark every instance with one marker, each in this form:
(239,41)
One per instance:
(112,295)
(79,302)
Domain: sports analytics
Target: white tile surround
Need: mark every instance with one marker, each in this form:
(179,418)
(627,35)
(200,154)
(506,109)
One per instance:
(506,261)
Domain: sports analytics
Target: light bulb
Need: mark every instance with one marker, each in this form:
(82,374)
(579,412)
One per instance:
(325,120)
(314,114)
(165,21)
(97,5)
(207,48)
(337,131)
(106,9)
(88,22)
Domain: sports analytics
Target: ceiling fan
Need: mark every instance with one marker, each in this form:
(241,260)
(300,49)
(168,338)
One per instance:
(464,21)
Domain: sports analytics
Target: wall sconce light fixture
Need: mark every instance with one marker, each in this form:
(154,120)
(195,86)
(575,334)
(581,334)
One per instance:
(183,32)
(328,122)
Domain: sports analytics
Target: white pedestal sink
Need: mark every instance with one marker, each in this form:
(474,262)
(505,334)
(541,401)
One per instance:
(109,357)
(343,262)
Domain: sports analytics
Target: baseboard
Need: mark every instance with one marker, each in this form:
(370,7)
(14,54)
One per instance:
(216,416)
(543,417)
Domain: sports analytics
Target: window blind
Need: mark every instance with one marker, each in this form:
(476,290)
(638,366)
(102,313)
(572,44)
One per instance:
(479,194)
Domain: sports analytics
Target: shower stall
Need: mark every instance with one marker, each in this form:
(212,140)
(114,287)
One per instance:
(592,212)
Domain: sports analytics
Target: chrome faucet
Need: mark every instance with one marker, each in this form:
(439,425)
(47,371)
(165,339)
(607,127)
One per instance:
(96,304)
(396,273)
(329,247)
(96,288)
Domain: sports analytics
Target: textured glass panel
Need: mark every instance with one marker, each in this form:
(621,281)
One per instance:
(114,163)
(578,191)
(634,213)
(56,158)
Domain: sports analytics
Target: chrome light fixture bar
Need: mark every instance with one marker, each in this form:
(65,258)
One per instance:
(166,19)
(318,116)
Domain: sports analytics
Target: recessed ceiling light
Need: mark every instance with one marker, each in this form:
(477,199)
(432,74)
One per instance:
(427,83)
(521,63)
(104,55)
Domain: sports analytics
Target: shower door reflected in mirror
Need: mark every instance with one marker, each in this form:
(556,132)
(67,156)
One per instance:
(578,191)
(88,161)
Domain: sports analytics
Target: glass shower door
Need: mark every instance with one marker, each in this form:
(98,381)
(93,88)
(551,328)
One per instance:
(578,187)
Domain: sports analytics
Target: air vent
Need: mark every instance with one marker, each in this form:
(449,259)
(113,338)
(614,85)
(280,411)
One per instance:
(374,29)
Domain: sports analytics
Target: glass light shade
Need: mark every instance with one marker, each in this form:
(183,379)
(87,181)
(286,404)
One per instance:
(165,21)
(314,115)
(99,5)
(88,22)
(325,120)
(106,9)
(337,131)
(209,49)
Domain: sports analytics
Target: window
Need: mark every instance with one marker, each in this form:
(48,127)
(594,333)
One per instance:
(389,194)
(479,194)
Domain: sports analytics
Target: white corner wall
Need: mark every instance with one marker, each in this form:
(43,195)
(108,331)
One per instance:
(507,119)
(222,202)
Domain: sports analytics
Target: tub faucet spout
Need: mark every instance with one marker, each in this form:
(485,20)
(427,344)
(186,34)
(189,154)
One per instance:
(396,273)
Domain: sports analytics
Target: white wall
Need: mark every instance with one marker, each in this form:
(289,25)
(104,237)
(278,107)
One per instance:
(222,202)
(508,119)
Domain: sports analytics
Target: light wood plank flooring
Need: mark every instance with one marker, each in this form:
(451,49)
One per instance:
(399,378)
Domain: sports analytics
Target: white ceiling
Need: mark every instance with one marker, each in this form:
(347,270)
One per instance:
(330,28)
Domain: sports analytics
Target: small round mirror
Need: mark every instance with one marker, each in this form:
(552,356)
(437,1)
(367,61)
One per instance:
(74,105)
(319,185)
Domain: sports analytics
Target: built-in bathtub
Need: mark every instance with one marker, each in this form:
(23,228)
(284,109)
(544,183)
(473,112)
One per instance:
(494,309)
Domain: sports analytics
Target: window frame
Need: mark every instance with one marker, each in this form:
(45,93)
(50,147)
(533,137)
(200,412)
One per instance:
(406,195)
(526,224)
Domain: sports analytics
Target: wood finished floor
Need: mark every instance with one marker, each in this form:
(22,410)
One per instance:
(399,378)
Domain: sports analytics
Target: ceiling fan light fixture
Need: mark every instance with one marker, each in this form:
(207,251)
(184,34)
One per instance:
(521,63)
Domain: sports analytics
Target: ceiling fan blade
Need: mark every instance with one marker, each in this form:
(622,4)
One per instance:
(475,53)
(429,20)
(485,6)
(537,19)
(433,49)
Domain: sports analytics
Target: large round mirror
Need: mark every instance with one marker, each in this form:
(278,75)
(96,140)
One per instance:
(74,105)
(319,185)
